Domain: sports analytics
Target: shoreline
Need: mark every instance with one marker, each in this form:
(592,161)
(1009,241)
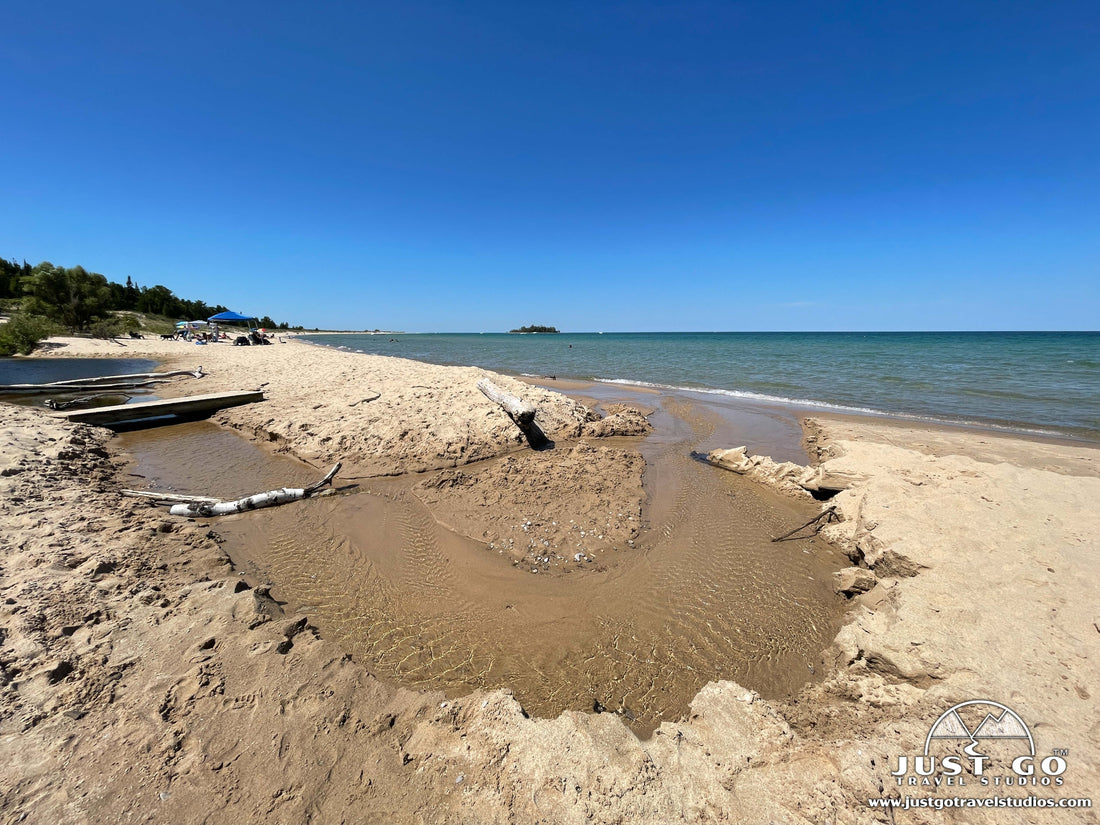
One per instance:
(809,405)
(932,509)
(795,409)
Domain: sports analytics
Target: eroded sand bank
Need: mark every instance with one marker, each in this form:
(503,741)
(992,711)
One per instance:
(142,683)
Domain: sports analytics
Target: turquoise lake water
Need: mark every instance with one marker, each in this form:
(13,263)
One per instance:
(1039,382)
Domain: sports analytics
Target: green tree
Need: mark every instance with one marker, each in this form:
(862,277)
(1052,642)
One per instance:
(76,298)
(159,300)
(11,277)
(22,333)
(71,297)
(129,295)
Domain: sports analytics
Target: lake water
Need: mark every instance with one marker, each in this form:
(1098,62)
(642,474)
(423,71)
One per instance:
(1038,382)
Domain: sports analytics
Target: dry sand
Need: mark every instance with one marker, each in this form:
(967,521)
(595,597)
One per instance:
(141,681)
(377,414)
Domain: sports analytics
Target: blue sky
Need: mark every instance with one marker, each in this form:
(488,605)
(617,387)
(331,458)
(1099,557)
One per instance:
(597,166)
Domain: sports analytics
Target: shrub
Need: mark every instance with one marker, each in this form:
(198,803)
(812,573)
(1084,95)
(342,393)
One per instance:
(23,332)
(106,328)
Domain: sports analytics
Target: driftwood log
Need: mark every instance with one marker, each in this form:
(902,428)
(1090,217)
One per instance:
(271,498)
(522,412)
(207,506)
(103,382)
(135,377)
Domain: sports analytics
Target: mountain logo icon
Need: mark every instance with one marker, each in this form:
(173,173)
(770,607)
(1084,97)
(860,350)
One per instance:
(1000,722)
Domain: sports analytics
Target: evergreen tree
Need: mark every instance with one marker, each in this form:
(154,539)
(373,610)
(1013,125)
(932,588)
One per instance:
(130,294)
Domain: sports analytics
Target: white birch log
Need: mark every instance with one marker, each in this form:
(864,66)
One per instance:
(522,412)
(271,498)
(225,508)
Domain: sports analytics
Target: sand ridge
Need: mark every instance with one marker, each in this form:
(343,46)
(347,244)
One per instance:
(377,414)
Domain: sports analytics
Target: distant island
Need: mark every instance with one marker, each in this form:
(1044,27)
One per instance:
(534,329)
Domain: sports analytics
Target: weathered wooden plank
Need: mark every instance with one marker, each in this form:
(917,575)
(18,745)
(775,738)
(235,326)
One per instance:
(190,405)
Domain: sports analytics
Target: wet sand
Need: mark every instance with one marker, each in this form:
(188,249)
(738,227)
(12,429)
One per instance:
(767,429)
(422,581)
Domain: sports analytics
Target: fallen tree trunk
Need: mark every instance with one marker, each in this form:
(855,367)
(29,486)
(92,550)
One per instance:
(271,498)
(522,412)
(103,382)
(140,376)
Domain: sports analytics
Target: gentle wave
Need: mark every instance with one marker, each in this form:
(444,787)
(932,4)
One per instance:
(824,405)
(753,396)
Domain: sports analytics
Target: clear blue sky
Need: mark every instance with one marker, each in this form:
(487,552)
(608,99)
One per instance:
(597,166)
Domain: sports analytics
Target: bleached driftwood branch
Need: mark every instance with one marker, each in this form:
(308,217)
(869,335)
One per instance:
(522,412)
(141,376)
(271,498)
(205,506)
(103,382)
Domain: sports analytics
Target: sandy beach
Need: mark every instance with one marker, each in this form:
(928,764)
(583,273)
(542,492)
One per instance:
(145,679)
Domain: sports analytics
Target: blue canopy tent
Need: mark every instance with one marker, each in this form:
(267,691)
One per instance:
(231,316)
(236,318)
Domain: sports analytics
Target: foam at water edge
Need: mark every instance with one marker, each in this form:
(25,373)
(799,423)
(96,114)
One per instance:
(824,405)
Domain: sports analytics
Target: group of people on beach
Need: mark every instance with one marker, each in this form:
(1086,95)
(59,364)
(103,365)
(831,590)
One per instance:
(255,337)
(196,335)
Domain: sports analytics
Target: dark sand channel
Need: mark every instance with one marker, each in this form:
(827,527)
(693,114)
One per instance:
(702,595)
